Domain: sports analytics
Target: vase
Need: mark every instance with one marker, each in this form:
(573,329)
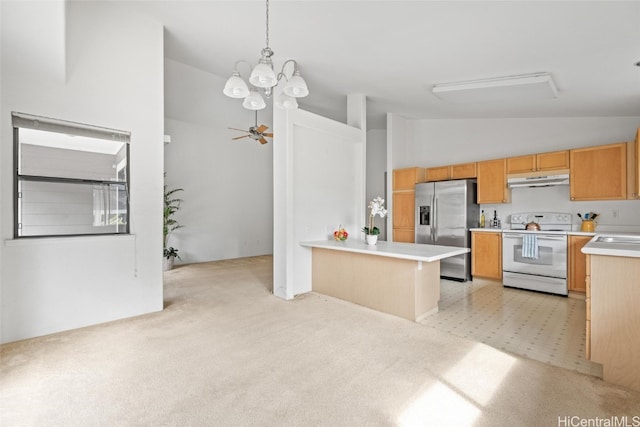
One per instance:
(372,239)
(167,263)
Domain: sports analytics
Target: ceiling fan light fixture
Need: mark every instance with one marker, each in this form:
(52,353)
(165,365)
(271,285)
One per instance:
(254,101)
(286,102)
(296,86)
(235,87)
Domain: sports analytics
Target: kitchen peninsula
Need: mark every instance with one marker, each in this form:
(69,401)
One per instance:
(402,279)
(613,295)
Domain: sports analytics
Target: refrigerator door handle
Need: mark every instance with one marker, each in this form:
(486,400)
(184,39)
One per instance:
(434,237)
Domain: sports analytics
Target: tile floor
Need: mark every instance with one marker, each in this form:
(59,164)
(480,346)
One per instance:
(547,328)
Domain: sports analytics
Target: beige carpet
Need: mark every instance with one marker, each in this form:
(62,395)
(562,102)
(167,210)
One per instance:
(225,352)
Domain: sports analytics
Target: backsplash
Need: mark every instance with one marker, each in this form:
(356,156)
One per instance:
(613,215)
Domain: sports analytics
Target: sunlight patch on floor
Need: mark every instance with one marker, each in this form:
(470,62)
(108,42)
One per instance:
(439,405)
(479,374)
(463,391)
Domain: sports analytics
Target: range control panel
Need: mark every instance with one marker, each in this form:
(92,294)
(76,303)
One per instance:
(559,220)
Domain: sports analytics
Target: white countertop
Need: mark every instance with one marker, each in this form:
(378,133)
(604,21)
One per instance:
(595,247)
(411,251)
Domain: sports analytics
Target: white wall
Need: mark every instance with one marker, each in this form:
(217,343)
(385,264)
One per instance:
(319,180)
(448,141)
(376,168)
(86,62)
(397,158)
(228,186)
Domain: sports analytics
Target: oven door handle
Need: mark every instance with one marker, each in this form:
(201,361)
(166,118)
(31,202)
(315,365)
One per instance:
(540,236)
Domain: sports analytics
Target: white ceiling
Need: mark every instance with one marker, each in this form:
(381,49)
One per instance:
(395,51)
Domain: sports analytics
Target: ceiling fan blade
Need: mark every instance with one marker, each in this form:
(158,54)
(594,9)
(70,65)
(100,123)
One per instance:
(262,128)
(270,135)
(239,137)
(241,130)
(263,141)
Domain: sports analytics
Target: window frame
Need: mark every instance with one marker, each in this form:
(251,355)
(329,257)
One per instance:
(28,121)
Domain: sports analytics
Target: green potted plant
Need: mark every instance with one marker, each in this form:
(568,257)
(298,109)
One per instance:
(171,206)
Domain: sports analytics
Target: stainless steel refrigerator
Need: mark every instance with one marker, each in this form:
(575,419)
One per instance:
(445,211)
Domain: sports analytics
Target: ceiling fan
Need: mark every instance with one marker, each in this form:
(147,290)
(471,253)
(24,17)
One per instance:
(255,132)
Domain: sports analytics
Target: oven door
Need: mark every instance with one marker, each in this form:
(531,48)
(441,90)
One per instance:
(551,260)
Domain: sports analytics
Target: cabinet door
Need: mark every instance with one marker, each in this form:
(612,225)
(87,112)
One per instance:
(552,161)
(406,179)
(521,164)
(438,174)
(577,263)
(404,209)
(464,170)
(404,235)
(599,173)
(633,168)
(486,254)
(492,181)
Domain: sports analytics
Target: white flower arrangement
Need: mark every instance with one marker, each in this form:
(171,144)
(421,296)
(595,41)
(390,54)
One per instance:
(376,207)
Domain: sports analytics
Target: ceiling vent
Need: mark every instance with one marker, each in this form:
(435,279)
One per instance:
(512,88)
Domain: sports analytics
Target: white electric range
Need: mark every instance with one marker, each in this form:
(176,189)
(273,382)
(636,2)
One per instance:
(536,259)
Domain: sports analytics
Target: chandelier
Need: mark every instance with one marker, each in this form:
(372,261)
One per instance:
(263,79)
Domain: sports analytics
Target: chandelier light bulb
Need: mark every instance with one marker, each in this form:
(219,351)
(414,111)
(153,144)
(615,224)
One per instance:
(286,102)
(254,101)
(296,86)
(236,87)
(263,76)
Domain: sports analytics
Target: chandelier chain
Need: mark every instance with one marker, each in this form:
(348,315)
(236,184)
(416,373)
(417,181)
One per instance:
(267,27)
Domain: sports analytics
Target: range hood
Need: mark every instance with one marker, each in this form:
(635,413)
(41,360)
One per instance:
(538,181)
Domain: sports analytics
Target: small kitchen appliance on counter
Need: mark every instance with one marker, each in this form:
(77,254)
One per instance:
(534,251)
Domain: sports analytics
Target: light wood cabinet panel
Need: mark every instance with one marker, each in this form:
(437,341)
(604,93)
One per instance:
(553,161)
(633,168)
(404,235)
(486,255)
(521,164)
(492,182)
(404,209)
(614,320)
(577,264)
(599,173)
(441,173)
(464,171)
(406,179)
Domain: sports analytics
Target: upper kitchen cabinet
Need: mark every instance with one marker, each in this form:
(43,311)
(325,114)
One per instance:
(464,171)
(441,173)
(406,179)
(492,182)
(555,160)
(599,173)
(460,171)
(633,168)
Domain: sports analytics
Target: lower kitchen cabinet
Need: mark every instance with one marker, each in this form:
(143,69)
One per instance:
(577,264)
(486,254)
